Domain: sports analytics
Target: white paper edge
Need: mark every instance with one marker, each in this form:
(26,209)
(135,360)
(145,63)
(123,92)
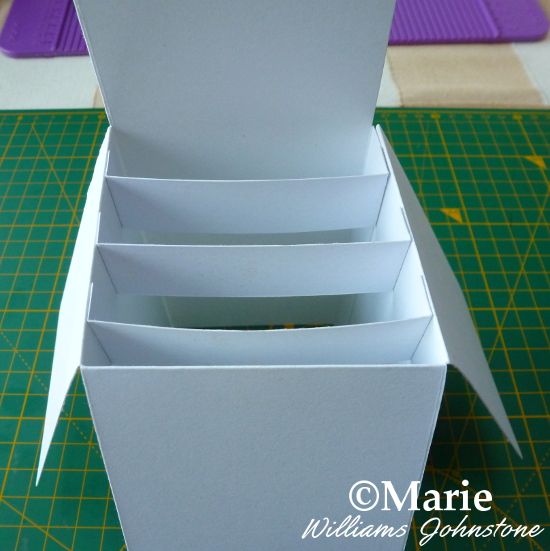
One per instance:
(72,312)
(450,308)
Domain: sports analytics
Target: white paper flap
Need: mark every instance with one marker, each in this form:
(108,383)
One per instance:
(450,308)
(241,88)
(72,313)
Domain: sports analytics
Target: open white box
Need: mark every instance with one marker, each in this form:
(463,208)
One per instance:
(260,310)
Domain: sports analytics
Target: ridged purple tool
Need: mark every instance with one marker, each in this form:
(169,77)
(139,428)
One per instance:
(42,28)
(459,21)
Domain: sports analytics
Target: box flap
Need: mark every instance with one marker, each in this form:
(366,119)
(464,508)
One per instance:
(72,312)
(461,339)
(241,89)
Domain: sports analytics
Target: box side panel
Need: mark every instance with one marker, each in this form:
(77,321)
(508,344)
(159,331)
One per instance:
(243,458)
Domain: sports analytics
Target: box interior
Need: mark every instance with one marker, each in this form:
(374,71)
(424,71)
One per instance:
(255,272)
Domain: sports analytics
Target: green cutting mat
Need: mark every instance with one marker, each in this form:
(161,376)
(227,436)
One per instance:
(483,178)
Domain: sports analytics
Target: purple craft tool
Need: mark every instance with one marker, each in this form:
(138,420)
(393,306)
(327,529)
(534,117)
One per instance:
(42,28)
(459,21)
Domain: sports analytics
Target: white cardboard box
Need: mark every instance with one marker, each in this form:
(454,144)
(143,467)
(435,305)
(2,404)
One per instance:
(241,186)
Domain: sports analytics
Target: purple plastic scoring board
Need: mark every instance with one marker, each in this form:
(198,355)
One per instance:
(466,21)
(42,28)
(45,28)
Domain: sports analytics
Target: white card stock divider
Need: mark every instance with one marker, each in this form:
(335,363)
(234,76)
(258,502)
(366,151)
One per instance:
(251,206)
(376,343)
(354,329)
(144,294)
(277,270)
